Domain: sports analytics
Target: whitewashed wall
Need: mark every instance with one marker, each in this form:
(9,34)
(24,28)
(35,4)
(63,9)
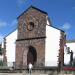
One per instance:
(66,56)
(72,47)
(52,46)
(10,47)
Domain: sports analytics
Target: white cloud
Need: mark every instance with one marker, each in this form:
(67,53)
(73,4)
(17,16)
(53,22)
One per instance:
(3,23)
(1,38)
(66,26)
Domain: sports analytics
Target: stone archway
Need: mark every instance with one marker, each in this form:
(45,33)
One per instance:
(31,55)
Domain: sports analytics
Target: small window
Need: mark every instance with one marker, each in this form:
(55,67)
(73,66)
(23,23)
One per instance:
(31,26)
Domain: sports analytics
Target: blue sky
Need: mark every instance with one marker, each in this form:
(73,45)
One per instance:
(60,12)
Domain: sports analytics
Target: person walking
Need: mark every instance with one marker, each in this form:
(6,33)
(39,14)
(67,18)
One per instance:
(30,66)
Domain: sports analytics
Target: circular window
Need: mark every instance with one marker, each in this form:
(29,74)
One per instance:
(30,26)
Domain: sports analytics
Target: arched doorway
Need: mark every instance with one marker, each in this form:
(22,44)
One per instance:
(31,55)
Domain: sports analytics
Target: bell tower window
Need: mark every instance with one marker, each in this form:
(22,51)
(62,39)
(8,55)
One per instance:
(31,26)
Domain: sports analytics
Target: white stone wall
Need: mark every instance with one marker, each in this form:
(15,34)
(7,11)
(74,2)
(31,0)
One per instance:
(52,46)
(67,56)
(72,47)
(10,46)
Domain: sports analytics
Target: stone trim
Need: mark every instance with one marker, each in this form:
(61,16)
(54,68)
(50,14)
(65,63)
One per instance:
(30,38)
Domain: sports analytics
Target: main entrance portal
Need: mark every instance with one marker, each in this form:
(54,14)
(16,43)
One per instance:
(31,55)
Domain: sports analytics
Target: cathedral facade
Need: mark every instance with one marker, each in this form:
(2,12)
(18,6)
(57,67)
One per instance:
(38,42)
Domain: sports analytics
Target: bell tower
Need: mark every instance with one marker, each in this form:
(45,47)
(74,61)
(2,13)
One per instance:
(30,45)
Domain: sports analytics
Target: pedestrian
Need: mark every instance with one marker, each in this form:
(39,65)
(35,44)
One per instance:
(30,66)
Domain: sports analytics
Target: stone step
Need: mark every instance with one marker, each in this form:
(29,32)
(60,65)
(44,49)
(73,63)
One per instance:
(31,74)
(20,74)
(36,74)
(66,74)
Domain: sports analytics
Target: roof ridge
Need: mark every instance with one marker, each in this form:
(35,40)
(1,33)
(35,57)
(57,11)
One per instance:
(33,8)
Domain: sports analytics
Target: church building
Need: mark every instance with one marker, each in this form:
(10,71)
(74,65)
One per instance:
(38,42)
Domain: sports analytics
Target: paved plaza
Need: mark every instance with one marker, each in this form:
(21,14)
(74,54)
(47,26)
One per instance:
(30,74)
(20,74)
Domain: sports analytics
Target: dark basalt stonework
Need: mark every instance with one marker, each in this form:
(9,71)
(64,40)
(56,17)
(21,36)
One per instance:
(23,47)
(34,38)
(39,20)
(61,51)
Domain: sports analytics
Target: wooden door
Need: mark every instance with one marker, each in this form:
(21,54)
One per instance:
(30,58)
